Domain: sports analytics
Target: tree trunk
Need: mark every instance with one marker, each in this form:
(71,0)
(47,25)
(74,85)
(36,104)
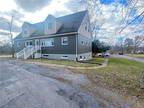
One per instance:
(13,51)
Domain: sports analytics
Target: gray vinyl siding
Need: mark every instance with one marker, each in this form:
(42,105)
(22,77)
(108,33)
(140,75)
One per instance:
(84,35)
(58,48)
(84,44)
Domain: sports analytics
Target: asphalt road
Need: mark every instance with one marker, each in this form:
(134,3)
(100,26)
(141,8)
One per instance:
(128,57)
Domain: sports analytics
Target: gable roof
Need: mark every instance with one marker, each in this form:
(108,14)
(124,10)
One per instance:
(70,23)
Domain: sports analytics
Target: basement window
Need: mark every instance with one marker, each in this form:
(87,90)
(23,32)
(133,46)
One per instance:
(64,57)
(45,55)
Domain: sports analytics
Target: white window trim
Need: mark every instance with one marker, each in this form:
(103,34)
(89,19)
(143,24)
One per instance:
(45,43)
(65,57)
(62,41)
(29,41)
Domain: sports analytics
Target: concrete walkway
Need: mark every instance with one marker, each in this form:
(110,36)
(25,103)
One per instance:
(69,67)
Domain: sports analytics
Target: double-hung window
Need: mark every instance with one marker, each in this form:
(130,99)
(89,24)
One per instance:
(28,43)
(48,42)
(49,25)
(64,40)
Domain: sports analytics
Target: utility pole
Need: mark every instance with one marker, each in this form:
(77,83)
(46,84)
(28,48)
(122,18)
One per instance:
(11,37)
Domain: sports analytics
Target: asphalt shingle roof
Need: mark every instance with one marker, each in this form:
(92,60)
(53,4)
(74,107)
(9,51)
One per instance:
(70,23)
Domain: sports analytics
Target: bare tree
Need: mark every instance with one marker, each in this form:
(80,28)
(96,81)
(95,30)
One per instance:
(11,37)
(5,47)
(137,42)
(128,45)
(15,15)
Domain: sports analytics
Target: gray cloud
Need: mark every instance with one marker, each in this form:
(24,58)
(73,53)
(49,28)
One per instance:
(32,5)
(4,33)
(76,5)
(17,15)
(4,25)
(60,13)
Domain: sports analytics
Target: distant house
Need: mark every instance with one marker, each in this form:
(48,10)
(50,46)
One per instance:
(66,37)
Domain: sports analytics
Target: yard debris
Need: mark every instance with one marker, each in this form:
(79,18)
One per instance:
(142,81)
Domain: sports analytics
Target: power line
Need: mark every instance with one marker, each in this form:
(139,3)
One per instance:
(132,21)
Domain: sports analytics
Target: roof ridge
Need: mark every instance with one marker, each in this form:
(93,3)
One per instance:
(84,11)
(70,23)
(58,17)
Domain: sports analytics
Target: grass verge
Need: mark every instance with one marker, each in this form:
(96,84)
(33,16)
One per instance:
(121,75)
(137,55)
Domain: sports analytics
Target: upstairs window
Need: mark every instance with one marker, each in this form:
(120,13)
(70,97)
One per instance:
(25,32)
(86,26)
(82,42)
(49,25)
(89,29)
(64,40)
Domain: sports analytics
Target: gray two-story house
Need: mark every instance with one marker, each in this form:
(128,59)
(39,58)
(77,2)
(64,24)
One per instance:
(67,37)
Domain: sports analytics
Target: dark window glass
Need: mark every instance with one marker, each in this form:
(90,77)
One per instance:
(27,43)
(30,43)
(82,42)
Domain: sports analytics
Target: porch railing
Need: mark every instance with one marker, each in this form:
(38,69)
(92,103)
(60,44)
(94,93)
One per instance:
(27,52)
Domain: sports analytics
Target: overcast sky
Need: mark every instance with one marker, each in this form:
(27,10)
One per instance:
(34,11)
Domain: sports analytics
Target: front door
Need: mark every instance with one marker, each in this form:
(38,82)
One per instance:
(37,43)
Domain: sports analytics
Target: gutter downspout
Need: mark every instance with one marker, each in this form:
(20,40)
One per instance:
(77,47)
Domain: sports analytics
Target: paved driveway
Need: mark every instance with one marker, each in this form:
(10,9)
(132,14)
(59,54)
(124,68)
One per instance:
(21,88)
(26,85)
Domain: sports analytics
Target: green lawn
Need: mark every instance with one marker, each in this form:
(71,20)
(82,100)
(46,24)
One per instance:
(93,62)
(121,75)
(137,55)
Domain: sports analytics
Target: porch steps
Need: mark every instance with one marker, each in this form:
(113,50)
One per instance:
(27,52)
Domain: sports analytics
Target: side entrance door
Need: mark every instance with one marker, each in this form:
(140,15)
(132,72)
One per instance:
(37,43)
